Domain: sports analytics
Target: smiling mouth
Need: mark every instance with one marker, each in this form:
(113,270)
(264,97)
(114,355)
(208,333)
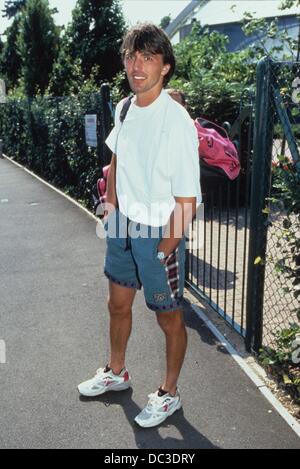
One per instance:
(135,77)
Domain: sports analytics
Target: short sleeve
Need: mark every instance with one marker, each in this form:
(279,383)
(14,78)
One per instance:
(184,163)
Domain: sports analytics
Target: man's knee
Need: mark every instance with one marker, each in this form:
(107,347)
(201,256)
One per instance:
(171,322)
(117,308)
(120,300)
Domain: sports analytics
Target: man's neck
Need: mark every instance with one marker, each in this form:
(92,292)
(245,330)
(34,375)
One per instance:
(146,99)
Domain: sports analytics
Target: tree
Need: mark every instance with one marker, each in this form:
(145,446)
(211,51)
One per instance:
(166,20)
(12,7)
(95,36)
(286,4)
(38,45)
(212,78)
(66,78)
(1,46)
(11,63)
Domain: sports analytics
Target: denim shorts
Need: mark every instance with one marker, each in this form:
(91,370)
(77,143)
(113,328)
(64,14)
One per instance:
(131,261)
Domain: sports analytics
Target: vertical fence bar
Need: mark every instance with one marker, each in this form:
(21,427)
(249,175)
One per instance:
(211,244)
(219,244)
(246,212)
(105,154)
(261,186)
(228,188)
(236,239)
(204,250)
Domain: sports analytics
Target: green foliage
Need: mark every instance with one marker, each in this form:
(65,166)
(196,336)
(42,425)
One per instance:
(89,48)
(278,360)
(94,37)
(38,44)
(13,7)
(66,78)
(47,135)
(280,364)
(11,62)
(120,87)
(287,186)
(282,46)
(165,21)
(286,4)
(212,78)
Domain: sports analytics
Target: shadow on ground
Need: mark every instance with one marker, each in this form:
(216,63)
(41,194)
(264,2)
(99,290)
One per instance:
(150,438)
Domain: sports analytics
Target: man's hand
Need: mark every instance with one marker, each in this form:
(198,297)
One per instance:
(111,198)
(181,217)
(108,210)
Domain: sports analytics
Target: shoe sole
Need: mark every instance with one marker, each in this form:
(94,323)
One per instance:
(145,425)
(121,387)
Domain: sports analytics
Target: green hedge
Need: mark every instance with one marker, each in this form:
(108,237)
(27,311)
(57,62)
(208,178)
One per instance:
(47,135)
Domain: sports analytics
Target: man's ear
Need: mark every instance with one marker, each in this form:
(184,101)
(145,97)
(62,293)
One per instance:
(166,69)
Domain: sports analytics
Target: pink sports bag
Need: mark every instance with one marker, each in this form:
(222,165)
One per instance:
(99,194)
(102,183)
(216,149)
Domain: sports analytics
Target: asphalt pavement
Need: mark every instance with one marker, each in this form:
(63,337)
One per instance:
(54,324)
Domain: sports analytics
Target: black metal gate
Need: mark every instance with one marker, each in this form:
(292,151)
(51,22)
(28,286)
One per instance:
(234,271)
(217,272)
(272,305)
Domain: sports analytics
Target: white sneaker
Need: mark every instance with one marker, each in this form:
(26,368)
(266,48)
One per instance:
(104,381)
(158,409)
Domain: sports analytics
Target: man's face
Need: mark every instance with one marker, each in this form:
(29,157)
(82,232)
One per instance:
(145,71)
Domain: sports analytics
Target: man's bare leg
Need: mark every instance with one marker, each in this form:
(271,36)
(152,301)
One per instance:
(120,303)
(176,344)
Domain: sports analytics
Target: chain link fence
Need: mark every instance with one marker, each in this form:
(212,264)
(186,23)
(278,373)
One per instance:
(281,303)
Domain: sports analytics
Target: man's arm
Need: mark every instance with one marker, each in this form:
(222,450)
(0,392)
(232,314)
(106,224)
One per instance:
(181,217)
(111,199)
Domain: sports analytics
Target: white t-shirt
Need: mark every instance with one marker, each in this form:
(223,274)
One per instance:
(157,159)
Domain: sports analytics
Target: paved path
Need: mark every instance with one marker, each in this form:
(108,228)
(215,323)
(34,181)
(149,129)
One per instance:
(54,321)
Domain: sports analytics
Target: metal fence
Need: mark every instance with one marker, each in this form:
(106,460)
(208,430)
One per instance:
(218,272)
(238,269)
(277,136)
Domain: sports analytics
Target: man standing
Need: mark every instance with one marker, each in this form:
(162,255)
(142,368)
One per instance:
(153,191)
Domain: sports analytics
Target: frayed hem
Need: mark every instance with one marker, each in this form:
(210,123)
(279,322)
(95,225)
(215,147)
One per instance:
(133,285)
(174,306)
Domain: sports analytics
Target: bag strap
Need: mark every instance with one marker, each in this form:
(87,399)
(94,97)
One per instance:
(123,114)
(125,108)
(204,122)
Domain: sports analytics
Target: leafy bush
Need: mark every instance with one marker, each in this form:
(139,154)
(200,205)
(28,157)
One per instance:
(280,363)
(279,360)
(47,135)
(287,186)
(212,78)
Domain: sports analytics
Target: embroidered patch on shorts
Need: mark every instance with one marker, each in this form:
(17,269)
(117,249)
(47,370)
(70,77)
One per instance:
(160,297)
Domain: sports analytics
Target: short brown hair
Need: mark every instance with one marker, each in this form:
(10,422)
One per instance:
(146,37)
(173,92)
